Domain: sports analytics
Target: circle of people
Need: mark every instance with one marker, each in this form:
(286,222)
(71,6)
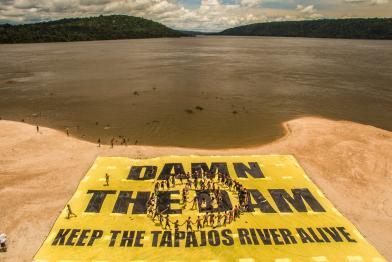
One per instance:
(207,183)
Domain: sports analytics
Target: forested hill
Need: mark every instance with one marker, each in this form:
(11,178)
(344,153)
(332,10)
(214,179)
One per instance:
(360,28)
(85,29)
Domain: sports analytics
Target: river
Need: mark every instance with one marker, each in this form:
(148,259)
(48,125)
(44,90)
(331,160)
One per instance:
(204,92)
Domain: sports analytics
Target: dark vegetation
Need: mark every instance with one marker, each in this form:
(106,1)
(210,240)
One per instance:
(128,27)
(358,28)
(85,29)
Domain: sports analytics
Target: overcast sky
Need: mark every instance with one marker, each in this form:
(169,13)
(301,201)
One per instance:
(206,15)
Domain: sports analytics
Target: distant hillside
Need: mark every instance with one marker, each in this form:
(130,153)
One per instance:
(374,28)
(85,29)
(195,33)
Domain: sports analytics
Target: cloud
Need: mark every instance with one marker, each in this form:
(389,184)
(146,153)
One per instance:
(250,2)
(372,2)
(355,1)
(306,9)
(379,2)
(64,5)
(210,3)
(94,2)
(25,4)
(309,12)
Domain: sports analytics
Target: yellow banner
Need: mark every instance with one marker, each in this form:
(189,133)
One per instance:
(202,208)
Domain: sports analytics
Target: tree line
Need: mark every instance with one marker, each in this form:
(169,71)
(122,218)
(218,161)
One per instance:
(354,28)
(86,29)
(128,27)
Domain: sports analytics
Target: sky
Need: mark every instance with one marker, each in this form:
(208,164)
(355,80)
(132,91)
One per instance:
(199,15)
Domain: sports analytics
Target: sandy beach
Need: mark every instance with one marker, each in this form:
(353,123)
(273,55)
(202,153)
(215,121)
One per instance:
(39,172)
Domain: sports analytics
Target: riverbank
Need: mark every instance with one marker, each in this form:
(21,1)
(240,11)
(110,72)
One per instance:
(39,172)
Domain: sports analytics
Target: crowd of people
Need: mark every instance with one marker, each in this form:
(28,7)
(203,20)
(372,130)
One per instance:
(207,184)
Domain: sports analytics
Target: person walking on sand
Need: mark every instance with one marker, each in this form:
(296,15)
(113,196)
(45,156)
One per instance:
(37,129)
(99,142)
(112,142)
(69,212)
(67,130)
(107,179)
(3,242)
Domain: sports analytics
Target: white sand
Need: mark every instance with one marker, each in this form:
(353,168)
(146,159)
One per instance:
(351,163)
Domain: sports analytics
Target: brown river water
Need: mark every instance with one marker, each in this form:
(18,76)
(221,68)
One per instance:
(205,92)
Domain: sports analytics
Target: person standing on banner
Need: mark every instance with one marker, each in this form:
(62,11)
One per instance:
(219,218)
(184,198)
(173,180)
(212,219)
(205,219)
(156,187)
(195,182)
(167,222)
(168,183)
(150,210)
(189,224)
(198,223)
(107,179)
(231,216)
(225,218)
(238,212)
(188,177)
(69,212)
(160,215)
(156,213)
(194,202)
(176,226)
(161,219)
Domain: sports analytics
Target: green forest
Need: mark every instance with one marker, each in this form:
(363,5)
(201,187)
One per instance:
(358,28)
(85,29)
(128,27)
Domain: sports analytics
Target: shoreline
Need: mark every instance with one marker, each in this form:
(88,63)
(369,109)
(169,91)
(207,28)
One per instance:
(284,127)
(349,162)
